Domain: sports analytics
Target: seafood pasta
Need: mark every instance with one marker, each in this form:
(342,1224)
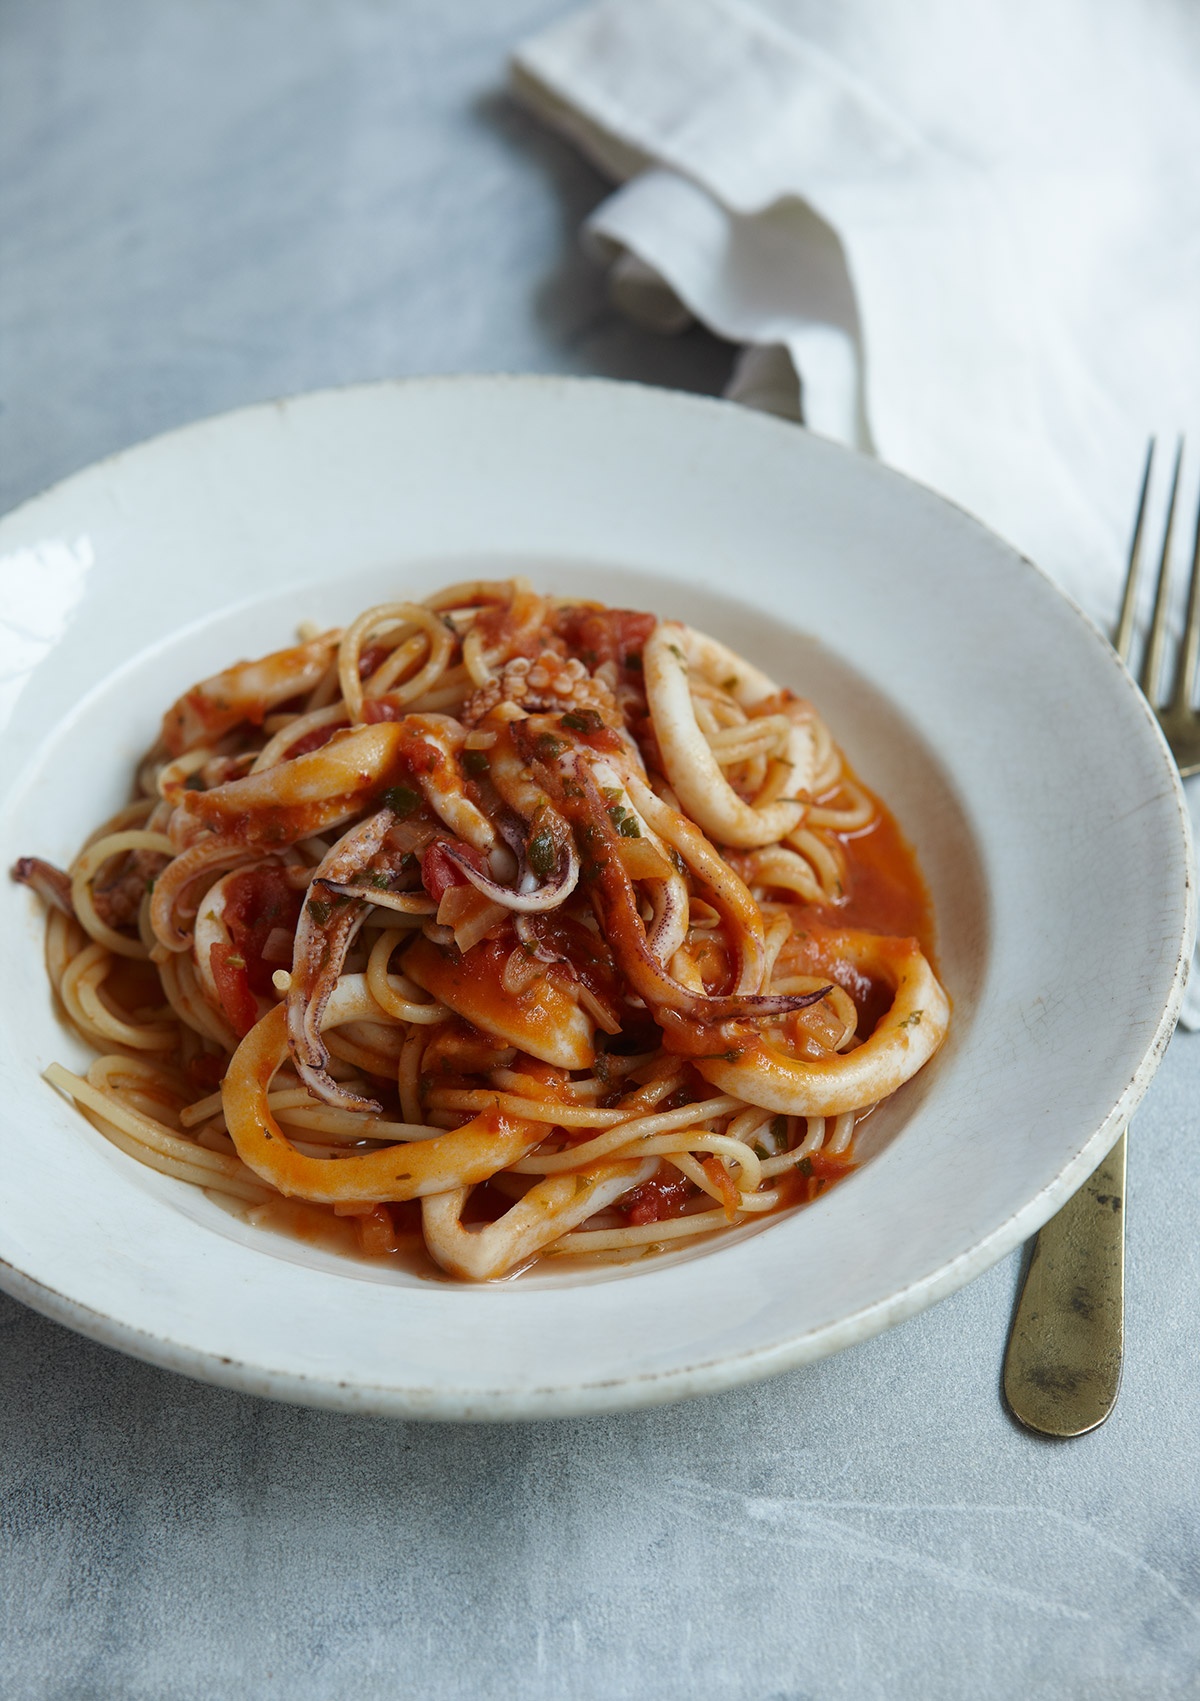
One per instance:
(515,923)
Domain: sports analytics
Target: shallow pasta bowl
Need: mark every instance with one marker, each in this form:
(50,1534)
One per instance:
(1015,751)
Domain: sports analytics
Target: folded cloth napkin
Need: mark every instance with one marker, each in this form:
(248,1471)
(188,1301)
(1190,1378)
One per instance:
(963,236)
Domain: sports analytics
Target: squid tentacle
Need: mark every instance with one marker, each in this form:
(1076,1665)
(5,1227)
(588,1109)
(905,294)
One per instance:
(323,937)
(531,894)
(615,902)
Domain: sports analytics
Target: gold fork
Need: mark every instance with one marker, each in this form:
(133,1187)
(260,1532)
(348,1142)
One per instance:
(1062,1369)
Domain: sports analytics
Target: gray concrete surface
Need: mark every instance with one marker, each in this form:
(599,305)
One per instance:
(209,202)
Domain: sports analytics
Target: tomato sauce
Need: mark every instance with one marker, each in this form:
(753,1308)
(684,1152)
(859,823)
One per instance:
(884,889)
(315,739)
(884,892)
(352,1237)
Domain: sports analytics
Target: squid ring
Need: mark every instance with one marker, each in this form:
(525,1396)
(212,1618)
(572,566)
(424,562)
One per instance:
(407,1170)
(693,770)
(903,1042)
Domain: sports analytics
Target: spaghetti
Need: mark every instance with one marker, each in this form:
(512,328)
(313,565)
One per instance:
(525,925)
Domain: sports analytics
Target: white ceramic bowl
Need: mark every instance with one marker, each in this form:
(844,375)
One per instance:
(1003,732)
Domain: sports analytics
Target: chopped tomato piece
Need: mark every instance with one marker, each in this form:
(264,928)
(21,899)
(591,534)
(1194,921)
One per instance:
(383,709)
(318,737)
(370,657)
(258,901)
(658,1199)
(233,987)
(439,872)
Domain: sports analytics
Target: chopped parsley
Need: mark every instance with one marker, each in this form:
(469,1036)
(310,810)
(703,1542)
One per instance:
(402,801)
(542,853)
(581,720)
(475,761)
(319,911)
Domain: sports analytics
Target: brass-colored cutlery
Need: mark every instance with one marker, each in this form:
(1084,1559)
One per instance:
(1062,1369)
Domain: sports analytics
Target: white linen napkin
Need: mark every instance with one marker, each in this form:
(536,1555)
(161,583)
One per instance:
(963,236)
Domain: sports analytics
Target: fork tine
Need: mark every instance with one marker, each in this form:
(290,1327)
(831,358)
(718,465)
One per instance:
(1124,639)
(1185,681)
(1152,667)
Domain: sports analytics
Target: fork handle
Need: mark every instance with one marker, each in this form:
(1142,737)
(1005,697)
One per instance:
(1063,1364)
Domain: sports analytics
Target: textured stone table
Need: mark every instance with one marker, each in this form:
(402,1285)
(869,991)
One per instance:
(208,202)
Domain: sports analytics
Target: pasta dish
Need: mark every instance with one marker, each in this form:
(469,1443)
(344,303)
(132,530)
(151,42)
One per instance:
(494,926)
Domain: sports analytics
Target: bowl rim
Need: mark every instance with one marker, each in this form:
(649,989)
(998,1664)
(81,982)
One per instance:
(728,1369)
